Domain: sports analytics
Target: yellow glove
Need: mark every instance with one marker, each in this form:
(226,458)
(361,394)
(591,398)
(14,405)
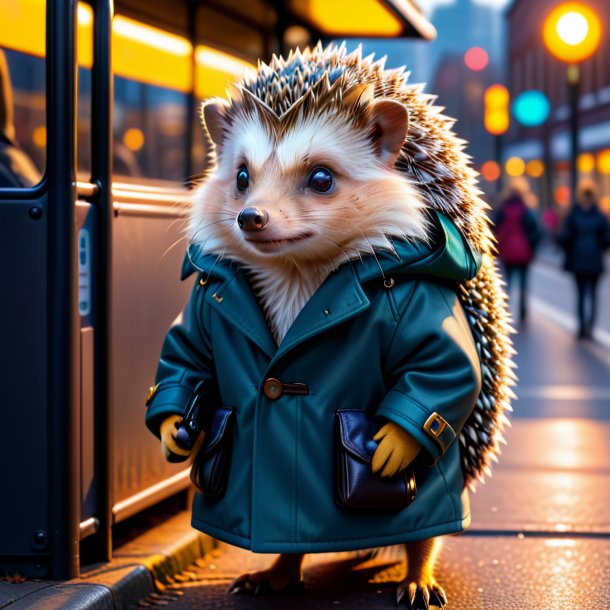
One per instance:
(396,450)
(168,438)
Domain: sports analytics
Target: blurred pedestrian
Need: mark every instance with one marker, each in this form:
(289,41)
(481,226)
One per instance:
(584,236)
(518,233)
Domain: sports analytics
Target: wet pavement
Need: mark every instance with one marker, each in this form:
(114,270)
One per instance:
(540,537)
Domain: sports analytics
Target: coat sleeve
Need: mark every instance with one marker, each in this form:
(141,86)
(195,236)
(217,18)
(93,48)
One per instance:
(434,369)
(185,360)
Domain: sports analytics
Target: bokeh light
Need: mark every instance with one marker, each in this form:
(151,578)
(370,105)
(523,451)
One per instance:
(490,171)
(572,28)
(515,166)
(476,59)
(534,168)
(572,32)
(496,101)
(585,163)
(603,162)
(134,139)
(604,204)
(562,195)
(531,108)
(39,136)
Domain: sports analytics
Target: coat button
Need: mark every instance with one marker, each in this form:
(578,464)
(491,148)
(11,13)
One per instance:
(272,388)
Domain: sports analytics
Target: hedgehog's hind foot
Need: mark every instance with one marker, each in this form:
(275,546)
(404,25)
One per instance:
(283,576)
(420,595)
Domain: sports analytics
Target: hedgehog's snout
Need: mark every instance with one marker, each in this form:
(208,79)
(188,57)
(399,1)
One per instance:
(252,219)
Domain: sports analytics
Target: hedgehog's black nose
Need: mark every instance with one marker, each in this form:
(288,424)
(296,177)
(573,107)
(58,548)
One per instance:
(252,219)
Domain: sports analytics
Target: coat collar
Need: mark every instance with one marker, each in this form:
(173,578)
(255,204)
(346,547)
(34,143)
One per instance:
(341,296)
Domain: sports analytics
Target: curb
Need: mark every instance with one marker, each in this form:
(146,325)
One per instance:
(139,568)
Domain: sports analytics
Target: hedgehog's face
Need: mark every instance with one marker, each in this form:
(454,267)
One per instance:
(313,189)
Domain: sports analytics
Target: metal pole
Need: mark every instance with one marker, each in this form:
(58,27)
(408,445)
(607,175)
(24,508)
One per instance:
(101,175)
(63,400)
(573,99)
(191,100)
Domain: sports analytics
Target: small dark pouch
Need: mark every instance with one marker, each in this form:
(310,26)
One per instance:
(356,487)
(210,469)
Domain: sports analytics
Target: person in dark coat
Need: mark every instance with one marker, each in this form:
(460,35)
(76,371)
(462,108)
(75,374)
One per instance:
(518,233)
(584,236)
(16,169)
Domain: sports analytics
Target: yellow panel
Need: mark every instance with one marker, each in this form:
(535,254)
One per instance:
(22,26)
(349,17)
(216,70)
(143,53)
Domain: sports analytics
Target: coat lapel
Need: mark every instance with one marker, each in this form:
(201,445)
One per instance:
(338,299)
(236,303)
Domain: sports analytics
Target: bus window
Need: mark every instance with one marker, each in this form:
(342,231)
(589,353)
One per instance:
(23,133)
(149,131)
(153,77)
(215,70)
(84,53)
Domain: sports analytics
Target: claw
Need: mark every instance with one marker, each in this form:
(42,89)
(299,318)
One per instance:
(401,591)
(438,598)
(419,601)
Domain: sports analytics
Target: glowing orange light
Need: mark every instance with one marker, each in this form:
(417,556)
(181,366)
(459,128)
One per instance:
(150,36)
(603,162)
(39,136)
(133,138)
(497,96)
(562,195)
(84,40)
(585,163)
(572,32)
(515,166)
(604,204)
(476,59)
(490,171)
(215,71)
(496,101)
(534,168)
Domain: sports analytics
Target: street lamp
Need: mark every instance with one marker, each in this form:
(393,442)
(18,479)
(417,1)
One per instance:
(572,33)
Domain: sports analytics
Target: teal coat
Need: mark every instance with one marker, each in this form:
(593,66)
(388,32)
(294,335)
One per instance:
(401,353)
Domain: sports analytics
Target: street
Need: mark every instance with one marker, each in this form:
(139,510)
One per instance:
(540,534)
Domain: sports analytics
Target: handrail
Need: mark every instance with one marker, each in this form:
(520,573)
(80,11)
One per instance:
(64,479)
(151,495)
(101,175)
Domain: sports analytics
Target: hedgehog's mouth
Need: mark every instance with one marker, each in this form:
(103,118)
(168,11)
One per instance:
(275,245)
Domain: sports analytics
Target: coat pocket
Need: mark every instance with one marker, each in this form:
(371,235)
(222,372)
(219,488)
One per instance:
(356,487)
(210,469)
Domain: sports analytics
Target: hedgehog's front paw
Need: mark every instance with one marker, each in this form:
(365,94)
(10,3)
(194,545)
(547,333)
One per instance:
(420,595)
(284,576)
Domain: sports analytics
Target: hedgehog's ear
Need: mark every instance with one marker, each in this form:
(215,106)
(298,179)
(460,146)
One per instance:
(388,123)
(214,118)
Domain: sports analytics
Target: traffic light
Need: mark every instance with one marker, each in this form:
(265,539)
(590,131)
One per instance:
(497,101)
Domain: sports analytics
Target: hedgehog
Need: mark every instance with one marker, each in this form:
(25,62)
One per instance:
(345,262)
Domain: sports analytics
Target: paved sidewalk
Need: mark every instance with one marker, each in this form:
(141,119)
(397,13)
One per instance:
(478,573)
(138,570)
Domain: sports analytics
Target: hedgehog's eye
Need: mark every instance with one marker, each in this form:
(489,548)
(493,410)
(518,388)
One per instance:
(242,179)
(321,180)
